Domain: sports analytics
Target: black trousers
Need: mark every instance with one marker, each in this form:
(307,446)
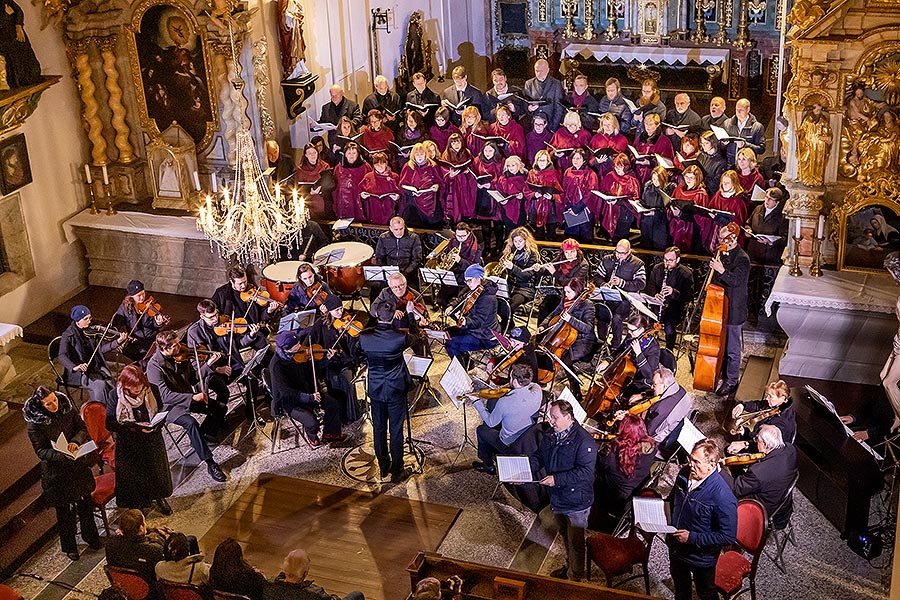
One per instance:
(704,578)
(387,416)
(66,516)
(195,434)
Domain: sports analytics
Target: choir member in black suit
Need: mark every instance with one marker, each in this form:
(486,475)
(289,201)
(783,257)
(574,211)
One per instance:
(673,284)
(768,219)
(716,114)
(385,100)
(460,90)
(548,89)
(338,107)
(389,384)
(732,272)
(422,95)
(515,103)
(83,362)
(682,116)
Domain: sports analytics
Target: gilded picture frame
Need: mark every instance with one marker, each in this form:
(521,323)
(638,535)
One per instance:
(171,65)
(866,225)
(15,168)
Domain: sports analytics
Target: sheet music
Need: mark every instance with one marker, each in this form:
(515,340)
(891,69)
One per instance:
(436,334)
(157,418)
(758,194)
(379,273)
(514,469)
(341,224)
(417,365)
(502,286)
(62,445)
(650,515)
(578,411)
(818,397)
(639,305)
(664,162)
(456,382)
(689,435)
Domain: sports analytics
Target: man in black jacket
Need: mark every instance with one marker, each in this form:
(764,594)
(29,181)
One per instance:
(515,103)
(681,116)
(548,89)
(174,383)
(388,386)
(399,247)
(422,95)
(732,272)
(768,220)
(673,284)
(769,479)
(745,126)
(474,329)
(461,90)
(383,99)
(565,462)
(622,270)
(227,298)
(338,107)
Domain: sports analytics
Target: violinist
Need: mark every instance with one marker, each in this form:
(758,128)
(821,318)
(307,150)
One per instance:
(227,299)
(476,311)
(400,248)
(225,363)
(140,319)
(732,272)
(673,284)
(521,352)
(82,357)
(406,304)
(508,419)
(643,347)
(309,292)
(777,396)
(179,387)
(295,392)
(337,334)
(569,264)
(624,271)
(768,479)
(663,417)
(580,315)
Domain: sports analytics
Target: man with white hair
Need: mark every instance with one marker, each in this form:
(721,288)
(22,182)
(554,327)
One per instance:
(292,583)
(663,417)
(384,99)
(769,479)
(745,126)
(682,116)
(338,107)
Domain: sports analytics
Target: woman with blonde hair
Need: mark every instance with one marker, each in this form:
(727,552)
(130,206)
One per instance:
(511,184)
(422,183)
(747,170)
(651,141)
(473,129)
(688,192)
(544,187)
(567,138)
(519,254)
(607,143)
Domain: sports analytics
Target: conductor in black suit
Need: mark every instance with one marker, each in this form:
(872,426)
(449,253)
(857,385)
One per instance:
(673,283)
(461,90)
(732,272)
(769,479)
(388,385)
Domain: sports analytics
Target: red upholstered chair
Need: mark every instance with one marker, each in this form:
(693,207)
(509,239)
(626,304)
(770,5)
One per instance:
(7,593)
(94,415)
(618,555)
(181,591)
(104,491)
(220,595)
(130,580)
(733,566)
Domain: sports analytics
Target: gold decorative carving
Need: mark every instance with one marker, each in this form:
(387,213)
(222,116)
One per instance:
(805,14)
(261,77)
(89,105)
(588,20)
(814,139)
(20,104)
(881,191)
(107,47)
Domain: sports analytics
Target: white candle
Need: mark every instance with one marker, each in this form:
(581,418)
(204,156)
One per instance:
(87,173)
(196,181)
(215,183)
(797,229)
(105,176)
(821,233)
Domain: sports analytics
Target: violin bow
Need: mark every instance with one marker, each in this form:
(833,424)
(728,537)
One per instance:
(199,374)
(312,360)
(231,337)
(99,343)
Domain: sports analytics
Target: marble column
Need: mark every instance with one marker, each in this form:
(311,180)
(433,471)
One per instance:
(107,46)
(78,52)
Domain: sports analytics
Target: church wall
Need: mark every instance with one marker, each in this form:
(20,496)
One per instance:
(55,149)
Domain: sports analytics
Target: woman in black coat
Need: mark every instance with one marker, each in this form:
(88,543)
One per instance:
(229,572)
(142,466)
(67,482)
(582,317)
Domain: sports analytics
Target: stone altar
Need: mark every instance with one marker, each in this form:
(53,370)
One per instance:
(840,326)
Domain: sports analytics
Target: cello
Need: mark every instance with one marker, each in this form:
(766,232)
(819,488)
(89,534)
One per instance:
(604,394)
(559,335)
(711,350)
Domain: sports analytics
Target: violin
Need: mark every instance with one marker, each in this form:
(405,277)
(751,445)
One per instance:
(226,326)
(316,294)
(419,310)
(635,409)
(347,325)
(149,307)
(488,394)
(101,333)
(184,352)
(466,305)
(742,459)
(260,297)
(749,421)
(302,355)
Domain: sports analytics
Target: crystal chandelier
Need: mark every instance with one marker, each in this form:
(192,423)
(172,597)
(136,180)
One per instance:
(249,221)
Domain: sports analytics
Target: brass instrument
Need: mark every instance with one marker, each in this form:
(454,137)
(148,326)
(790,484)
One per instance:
(496,269)
(444,261)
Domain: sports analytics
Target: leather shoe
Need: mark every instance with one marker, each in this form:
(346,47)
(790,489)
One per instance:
(72,555)
(312,440)
(560,573)
(401,476)
(163,505)
(384,469)
(480,466)
(215,471)
(726,390)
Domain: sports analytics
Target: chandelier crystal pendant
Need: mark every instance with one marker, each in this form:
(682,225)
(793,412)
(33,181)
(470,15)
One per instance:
(249,222)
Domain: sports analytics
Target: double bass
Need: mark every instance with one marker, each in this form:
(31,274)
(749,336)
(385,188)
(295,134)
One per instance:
(711,350)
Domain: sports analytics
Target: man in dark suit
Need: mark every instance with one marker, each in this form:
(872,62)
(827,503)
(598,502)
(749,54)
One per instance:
(544,87)
(227,299)
(683,116)
(338,107)
(515,103)
(623,270)
(745,126)
(768,219)
(385,100)
(769,479)
(174,383)
(388,386)
(459,91)
(422,95)
(732,272)
(673,283)
(582,101)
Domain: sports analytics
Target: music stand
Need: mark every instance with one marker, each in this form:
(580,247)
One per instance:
(329,257)
(379,273)
(244,379)
(639,305)
(297,320)
(418,368)
(502,286)
(437,276)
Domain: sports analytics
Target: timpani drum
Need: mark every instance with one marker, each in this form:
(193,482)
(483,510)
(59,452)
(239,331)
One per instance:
(279,278)
(342,265)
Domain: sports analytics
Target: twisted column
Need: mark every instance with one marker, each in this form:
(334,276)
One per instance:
(90,107)
(107,46)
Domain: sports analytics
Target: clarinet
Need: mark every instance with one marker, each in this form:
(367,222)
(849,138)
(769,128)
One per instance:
(664,281)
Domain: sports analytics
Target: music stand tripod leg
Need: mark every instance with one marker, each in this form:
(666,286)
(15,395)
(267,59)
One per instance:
(466,439)
(411,448)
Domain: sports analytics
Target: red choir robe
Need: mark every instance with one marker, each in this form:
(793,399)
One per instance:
(380,210)
(577,185)
(681,228)
(459,197)
(754,177)
(616,142)
(309,174)
(534,143)
(441,135)
(489,209)
(679,166)
(422,177)
(374,141)
(614,184)
(474,144)
(735,204)
(346,201)
(655,144)
(563,138)
(509,185)
(514,135)
(544,210)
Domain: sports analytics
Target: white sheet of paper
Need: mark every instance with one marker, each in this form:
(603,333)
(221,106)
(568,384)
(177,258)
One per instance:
(157,418)
(62,445)
(818,397)
(578,411)
(664,162)
(758,195)
(514,469)
(689,435)
(720,132)
(417,365)
(650,515)
(456,382)
(341,224)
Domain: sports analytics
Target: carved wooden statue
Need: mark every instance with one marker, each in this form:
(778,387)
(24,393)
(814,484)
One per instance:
(813,145)
(21,65)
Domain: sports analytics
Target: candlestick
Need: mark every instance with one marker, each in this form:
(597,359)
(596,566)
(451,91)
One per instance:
(795,268)
(797,228)
(105,175)
(87,174)
(815,268)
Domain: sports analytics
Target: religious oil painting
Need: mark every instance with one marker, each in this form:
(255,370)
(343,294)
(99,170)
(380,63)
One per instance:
(172,71)
(872,233)
(15,169)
